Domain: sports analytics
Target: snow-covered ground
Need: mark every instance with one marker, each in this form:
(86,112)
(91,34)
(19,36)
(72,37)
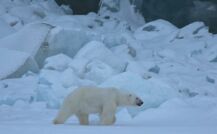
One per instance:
(173,117)
(45,53)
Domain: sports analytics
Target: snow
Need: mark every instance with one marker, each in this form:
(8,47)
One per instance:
(15,90)
(176,112)
(5,29)
(195,30)
(46,53)
(172,117)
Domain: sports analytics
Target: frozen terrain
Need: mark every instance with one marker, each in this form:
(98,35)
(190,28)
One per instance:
(46,52)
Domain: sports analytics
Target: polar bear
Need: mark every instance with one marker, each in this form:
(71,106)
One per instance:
(87,100)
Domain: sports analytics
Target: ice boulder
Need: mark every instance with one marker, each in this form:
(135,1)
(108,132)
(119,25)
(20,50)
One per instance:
(152,91)
(123,10)
(42,40)
(125,52)
(58,62)
(51,87)
(49,7)
(72,22)
(154,29)
(79,66)
(44,93)
(98,71)
(97,50)
(14,63)
(34,11)
(54,86)
(123,43)
(59,80)
(67,41)
(31,39)
(138,68)
(69,78)
(49,77)
(27,13)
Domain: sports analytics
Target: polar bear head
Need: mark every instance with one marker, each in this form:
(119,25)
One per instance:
(129,99)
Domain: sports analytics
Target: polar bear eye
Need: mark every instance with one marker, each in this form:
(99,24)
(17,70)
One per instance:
(130,95)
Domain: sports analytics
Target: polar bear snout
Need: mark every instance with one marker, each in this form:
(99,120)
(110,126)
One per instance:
(139,102)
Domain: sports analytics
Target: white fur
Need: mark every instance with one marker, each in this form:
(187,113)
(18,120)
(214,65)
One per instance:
(86,100)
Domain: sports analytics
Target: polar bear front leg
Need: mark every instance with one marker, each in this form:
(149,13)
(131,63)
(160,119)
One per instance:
(83,119)
(107,117)
(64,113)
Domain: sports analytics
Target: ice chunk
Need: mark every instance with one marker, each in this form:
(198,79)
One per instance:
(125,52)
(46,94)
(97,50)
(75,22)
(50,7)
(137,68)
(58,62)
(49,77)
(194,30)
(67,41)
(15,68)
(29,39)
(154,29)
(27,13)
(66,9)
(98,71)
(152,91)
(69,79)
(121,9)
(79,66)
(51,87)
(33,11)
